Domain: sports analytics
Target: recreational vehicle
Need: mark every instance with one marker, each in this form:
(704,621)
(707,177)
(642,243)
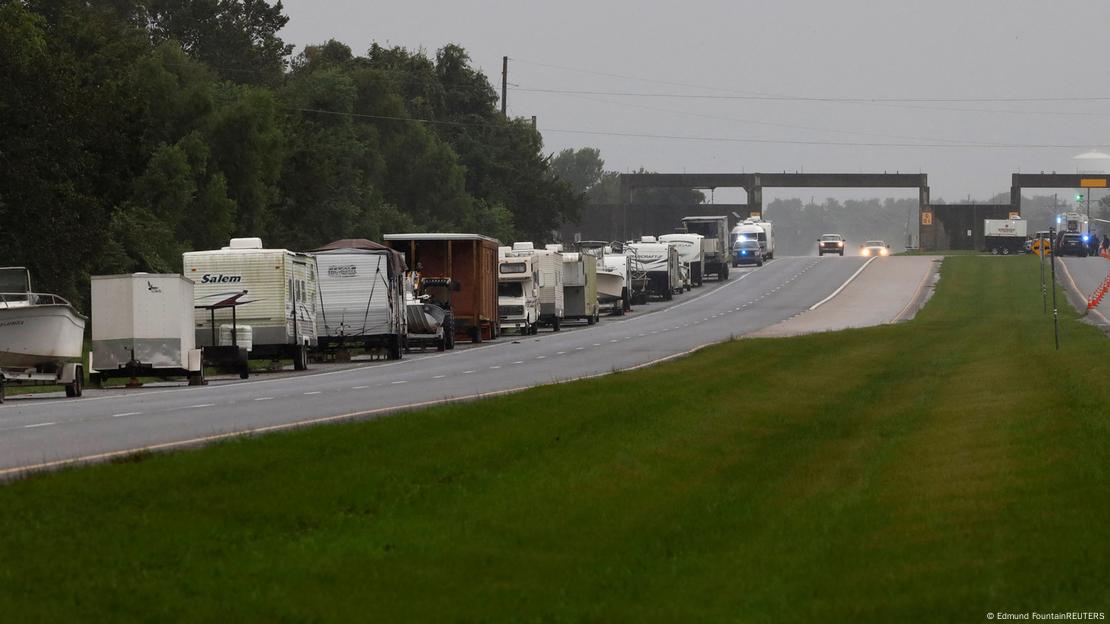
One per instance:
(270,295)
(361,297)
(690,254)
(580,287)
(518,298)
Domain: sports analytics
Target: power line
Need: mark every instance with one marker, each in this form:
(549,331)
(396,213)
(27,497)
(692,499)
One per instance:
(804,98)
(672,137)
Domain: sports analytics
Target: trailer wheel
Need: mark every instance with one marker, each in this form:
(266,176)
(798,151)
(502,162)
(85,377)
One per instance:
(449,331)
(556,325)
(300,358)
(76,388)
(1005,251)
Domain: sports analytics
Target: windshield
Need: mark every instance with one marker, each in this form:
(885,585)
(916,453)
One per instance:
(510,289)
(874,244)
(830,237)
(747,244)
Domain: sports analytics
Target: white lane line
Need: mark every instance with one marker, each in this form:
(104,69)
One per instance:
(541,357)
(359,387)
(126,414)
(842,286)
(561,353)
(518,362)
(264,399)
(641,335)
(494,367)
(314,392)
(467,372)
(439,377)
(579,348)
(45,424)
(597,344)
(392,383)
(613,340)
(201,405)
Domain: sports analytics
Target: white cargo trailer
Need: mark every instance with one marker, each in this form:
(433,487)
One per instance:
(580,287)
(361,297)
(549,271)
(715,244)
(1005,236)
(142,326)
(273,291)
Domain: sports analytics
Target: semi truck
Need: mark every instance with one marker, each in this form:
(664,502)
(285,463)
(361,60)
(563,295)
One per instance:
(715,244)
(1004,236)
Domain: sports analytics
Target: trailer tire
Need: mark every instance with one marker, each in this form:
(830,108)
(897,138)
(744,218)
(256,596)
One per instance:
(300,358)
(555,324)
(76,388)
(1005,251)
(590,320)
(441,344)
(449,331)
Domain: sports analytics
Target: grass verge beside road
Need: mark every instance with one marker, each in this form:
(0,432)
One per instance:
(935,470)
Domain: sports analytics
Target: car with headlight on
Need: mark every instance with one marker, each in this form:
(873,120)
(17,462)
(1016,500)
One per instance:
(830,244)
(747,252)
(874,248)
(1072,244)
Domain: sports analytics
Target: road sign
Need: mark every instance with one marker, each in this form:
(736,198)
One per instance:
(1092,182)
(926,217)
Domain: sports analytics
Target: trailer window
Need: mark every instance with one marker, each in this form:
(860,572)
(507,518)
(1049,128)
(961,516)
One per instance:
(514,267)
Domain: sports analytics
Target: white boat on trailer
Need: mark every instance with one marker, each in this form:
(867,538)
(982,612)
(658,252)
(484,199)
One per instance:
(39,332)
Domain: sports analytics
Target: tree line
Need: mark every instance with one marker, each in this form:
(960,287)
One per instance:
(134,130)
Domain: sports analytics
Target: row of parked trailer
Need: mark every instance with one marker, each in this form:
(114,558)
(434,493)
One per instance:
(412,291)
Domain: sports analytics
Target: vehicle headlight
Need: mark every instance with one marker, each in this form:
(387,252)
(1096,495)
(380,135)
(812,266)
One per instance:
(839,243)
(865,252)
(883,252)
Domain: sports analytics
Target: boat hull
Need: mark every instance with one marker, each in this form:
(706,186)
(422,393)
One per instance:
(424,318)
(34,335)
(610,286)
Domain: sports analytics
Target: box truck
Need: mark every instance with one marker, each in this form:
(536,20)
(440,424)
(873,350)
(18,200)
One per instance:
(715,244)
(1004,236)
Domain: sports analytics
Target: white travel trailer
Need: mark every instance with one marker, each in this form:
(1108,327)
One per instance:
(143,326)
(549,270)
(660,263)
(518,297)
(274,298)
(690,254)
(361,297)
(580,287)
(613,269)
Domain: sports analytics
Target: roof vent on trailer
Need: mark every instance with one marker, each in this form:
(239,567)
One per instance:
(252,242)
(523,247)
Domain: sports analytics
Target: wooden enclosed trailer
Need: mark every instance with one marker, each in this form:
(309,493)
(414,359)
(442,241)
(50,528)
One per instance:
(469,261)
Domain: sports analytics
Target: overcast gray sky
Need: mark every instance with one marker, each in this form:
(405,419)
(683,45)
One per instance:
(812,49)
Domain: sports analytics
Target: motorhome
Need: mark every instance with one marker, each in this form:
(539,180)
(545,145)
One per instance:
(765,234)
(690,253)
(361,296)
(518,297)
(580,287)
(273,292)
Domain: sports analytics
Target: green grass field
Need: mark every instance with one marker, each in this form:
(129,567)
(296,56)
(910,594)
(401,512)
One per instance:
(932,471)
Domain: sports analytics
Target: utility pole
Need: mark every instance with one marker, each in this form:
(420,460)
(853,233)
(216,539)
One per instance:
(1044,288)
(1055,309)
(1088,212)
(504,85)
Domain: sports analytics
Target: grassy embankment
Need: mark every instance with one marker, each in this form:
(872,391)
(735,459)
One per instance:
(935,470)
